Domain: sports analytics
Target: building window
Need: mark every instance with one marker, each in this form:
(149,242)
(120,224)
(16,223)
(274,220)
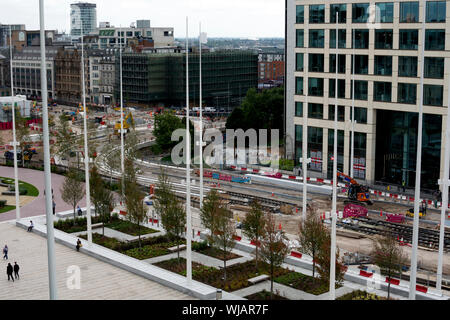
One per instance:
(341,9)
(435,39)
(316,38)
(300,14)
(360,12)
(383,39)
(409,12)
(315,62)
(407,66)
(299,62)
(341,113)
(408,39)
(384,12)
(299,38)
(129,33)
(317,13)
(315,87)
(360,115)
(341,63)
(361,37)
(298,141)
(340,151)
(360,90)
(436,11)
(432,95)
(315,145)
(406,93)
(315,110)
(382,91)
(361,64)
(299,85)
(434,68)
(299,109)
(383,65)
(332,88)
(342,38)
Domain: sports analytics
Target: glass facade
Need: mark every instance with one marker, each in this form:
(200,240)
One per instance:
(435,11)
(299,38)
(341,113)
(341,63)
(315,147)
(396,148)
(299,85)
(360,115)
(332,88)
(434,68)
(382,91)
(299,61)
(298,142)
(315,87)
(340,151)
(317,13)
(408,39)
(383,65)
(360,90)
(360,12)
(384,12)
(315,110)
(432,95)
(435,39)
(342,38)
(407,66)
(359,148)
(407,93)
(298,109)
(341,9)
(409,12)
(316,38)
(315,62)
(361,64)
(300,14)
(361,37)
(383,38)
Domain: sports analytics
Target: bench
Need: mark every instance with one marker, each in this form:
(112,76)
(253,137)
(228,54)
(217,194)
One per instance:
(257,279)
(97,225)
(175,249)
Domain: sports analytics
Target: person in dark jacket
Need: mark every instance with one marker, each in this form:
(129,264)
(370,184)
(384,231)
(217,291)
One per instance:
(5,252)
(79,245)
(9,271)
(16,270)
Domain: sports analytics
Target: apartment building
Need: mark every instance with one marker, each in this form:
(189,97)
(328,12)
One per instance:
(384,39)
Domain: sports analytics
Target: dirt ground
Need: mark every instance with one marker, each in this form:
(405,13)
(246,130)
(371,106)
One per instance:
(11,200)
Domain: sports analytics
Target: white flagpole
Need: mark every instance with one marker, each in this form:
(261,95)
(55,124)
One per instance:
(305,153)
(47,172)
(188,168)
(415,238)
(333,210)
(86,151)
(352,154)
(122,148)
(13,111)
(201,117)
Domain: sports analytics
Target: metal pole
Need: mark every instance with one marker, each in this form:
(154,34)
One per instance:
(86,149)
(188,168)
(415,239)
(333,210)
(122,149)
(47,172)
(444,205)
(305,154)
(201,119)
(352,152)
(13,111)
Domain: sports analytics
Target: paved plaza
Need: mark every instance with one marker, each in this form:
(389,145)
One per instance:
(99,280)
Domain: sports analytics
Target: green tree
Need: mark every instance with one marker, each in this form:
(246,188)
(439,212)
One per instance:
(209,211)
(312,234)
(22,133)
(323,258)
(65,138)
(273,246)
(165,124)
(253,226)
(72,190)
(101,197)
(388,255)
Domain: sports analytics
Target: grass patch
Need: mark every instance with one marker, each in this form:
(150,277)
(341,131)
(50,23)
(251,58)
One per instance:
(360,295)
(129,228)
(304,283)
(265,295)
(29,188)
(7,208)
(203,248)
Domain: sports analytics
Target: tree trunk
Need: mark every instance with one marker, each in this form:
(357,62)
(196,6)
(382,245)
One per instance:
(271,280)
(389,284)
(178,251)
(314,262)
(225,269)
(74,216)
(256,257)
(139,232)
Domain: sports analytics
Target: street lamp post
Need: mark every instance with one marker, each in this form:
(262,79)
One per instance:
(305,154)
(352,152)
(200,40)
(188,168)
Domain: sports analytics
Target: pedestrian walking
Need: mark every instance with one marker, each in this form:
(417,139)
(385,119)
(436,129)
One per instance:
(30,228)
(80,212)
(5,252)
(54,207)
(79,245)
(16,270)
(9,271)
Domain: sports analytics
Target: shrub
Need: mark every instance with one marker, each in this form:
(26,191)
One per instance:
(200,246)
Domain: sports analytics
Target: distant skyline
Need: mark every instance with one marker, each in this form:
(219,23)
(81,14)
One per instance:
(219,18)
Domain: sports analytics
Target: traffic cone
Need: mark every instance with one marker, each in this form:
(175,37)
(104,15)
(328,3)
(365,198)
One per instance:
(272,194)
(381,213)
(279,227)
(296,210)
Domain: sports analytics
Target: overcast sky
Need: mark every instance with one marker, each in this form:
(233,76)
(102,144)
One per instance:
(220,18)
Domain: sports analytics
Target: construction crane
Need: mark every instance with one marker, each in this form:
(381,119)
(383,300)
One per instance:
(356,193)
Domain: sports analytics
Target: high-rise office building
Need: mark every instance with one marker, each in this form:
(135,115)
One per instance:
(386,39)
(85,13)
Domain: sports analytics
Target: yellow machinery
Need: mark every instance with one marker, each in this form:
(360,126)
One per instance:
(422,211)
(128,122)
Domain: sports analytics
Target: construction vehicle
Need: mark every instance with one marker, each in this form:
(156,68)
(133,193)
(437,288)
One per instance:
(422,211)
(357,193)
(128,122)
(27,155)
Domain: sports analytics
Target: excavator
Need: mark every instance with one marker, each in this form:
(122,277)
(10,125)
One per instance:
(357,193)
(128,122)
